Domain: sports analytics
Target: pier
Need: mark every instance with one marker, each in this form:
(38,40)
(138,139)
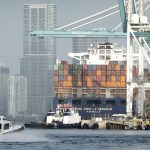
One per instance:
(132,124)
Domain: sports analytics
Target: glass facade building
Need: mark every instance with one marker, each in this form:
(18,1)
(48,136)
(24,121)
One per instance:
(39,56)
(4,75)
(17,102)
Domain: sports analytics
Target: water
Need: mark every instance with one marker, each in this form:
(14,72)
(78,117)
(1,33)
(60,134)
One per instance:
(68,139)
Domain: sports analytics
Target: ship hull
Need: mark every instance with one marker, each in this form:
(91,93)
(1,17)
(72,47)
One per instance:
(76,125)
(51,126)
(103,107)
(40,125)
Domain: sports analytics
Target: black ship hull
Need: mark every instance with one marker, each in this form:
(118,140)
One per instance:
(94,107)
(51,126)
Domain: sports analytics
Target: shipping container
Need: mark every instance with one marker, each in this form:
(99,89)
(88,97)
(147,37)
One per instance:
(93,79)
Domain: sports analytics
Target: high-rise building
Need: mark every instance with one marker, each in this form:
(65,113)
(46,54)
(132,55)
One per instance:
(39,56)
(82,44)
(17,102)
(4,75)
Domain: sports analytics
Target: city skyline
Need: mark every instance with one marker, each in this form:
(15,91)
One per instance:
(11,14)
(12,26)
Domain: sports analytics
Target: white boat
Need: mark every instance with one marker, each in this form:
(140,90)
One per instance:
(53,119)
(71,117)
(65,116)
(7,126)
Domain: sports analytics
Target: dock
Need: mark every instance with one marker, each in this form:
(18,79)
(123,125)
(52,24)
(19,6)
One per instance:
(98,123)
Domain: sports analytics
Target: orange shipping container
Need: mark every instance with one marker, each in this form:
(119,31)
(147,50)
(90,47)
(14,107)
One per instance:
(65,72)
(118,84)
(89,84)
(123,84)
(118,67)
(55,78)
(69,78)
(123,78)
(98,73)
(65,83)
(103,84)
(69,84)
(113,84)
(113,78)
(89,79)
(79,83)
(109,84)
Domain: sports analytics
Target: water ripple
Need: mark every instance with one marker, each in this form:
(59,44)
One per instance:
(76,140)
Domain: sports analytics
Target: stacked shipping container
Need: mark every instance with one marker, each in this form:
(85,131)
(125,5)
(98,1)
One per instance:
(72,80)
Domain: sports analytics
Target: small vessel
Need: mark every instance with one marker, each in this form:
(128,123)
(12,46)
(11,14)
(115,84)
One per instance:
(64,117)
(71,117)
(7,126)
(54,118)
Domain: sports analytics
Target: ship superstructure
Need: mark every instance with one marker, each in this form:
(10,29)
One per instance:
(101,54)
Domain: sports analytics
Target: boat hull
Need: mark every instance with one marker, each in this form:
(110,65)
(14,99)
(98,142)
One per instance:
(76,125)
(52,126)
(14,128)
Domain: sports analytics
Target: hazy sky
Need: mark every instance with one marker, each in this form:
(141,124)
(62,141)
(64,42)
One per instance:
(11,25)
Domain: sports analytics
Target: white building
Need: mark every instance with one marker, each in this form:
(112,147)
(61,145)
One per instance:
(4,75)
(17,104)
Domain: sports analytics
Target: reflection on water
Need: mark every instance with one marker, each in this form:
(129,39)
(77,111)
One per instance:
(61,139)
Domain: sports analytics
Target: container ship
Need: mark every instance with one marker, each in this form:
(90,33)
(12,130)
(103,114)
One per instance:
(97,85)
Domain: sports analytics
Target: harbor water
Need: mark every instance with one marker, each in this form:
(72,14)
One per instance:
(75,139)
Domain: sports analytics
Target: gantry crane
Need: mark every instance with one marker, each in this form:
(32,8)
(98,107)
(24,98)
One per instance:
(136,22)
(135,27)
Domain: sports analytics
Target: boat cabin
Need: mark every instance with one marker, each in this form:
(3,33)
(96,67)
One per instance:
(4,124)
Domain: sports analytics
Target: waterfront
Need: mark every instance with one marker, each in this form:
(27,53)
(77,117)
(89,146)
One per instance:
(76,139)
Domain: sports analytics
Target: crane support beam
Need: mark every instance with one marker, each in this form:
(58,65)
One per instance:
(86,33)
(144,85)
(70,33)
(123,15)
(143,51)
(134,8)
(81,21)
(95,20)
